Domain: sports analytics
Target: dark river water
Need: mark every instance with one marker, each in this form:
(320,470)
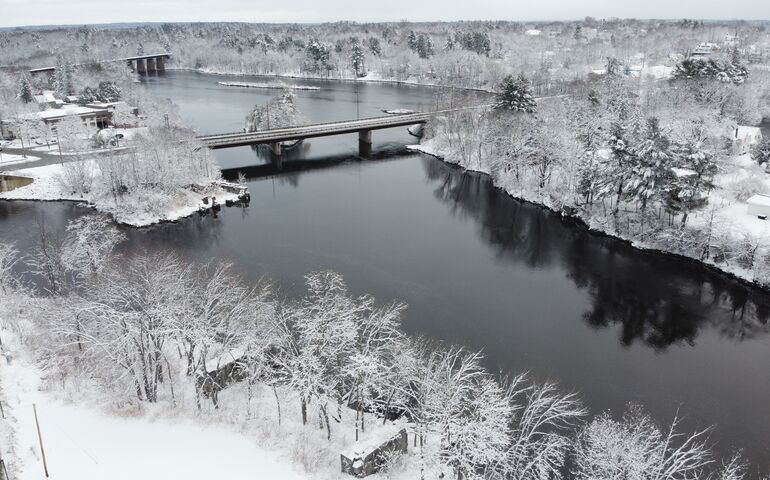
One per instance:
(476,267)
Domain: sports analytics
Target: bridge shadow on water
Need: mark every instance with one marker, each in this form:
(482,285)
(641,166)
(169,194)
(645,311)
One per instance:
(295,162)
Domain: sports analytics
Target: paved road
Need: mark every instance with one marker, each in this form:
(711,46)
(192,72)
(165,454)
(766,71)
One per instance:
(44,158)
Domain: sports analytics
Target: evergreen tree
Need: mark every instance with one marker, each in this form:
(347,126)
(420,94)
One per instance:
(690,187)
(424,46)
(374,46)
(651,174)
(62,78)
(87,95)
(516,95)
(108,92)
(25,89)
(411,40)
(761,152)
(357,60)
(613,67)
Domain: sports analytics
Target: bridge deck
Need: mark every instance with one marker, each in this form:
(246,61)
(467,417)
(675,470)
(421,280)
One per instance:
(114,60)
(226,140)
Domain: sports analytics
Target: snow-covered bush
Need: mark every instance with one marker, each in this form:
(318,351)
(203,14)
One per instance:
(634,447)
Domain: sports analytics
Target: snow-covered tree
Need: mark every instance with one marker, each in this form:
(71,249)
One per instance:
(541,429)
(9,257)
(357,60)
(25,89)
(635,447)
(62,78)
(279,112)
(515,94)
(89,244)
(760,153)
(651,174)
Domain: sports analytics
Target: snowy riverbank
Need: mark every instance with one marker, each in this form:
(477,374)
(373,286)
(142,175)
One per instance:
(730,214)
(47,185)
(92,436)
(371,77)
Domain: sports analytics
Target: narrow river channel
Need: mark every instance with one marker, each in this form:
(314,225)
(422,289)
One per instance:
(476,267)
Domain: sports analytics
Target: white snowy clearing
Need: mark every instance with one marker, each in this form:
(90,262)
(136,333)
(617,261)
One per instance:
(81,442)
(47,186)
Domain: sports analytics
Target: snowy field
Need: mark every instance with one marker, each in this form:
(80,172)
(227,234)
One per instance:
(84,443)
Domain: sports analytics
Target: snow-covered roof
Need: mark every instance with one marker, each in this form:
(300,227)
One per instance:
(46,96)
(533,32)
(683,172)
(759,200)
(56,113)
(745,133)
(604,153)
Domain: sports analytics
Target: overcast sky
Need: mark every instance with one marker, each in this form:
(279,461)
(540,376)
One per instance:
(44,12)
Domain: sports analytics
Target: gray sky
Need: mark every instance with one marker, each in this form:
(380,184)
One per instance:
(42,12)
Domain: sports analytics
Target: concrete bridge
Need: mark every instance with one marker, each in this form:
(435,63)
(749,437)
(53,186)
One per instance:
(274,137)
(154,62)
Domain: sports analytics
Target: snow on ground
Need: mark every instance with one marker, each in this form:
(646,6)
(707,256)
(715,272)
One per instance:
(47,187)
(13,158)
(658,72)
(84,443)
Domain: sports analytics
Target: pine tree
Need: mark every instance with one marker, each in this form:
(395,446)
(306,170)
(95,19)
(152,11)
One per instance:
(62,79)
(651,174)
(108,92)
(761,152)
(516,95)
(357,60)
(25,89)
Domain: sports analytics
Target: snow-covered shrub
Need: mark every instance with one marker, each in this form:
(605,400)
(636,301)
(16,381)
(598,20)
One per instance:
(77,177)
(9,256)
(634,447)
(745,186)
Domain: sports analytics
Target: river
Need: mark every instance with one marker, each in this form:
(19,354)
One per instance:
(476,267)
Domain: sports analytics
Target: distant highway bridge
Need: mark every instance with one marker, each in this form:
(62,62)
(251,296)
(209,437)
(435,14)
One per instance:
(153,62)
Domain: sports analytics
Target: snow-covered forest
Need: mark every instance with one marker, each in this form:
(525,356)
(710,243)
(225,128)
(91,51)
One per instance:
(655,162)
(151,329)
(556,56)
(614,122)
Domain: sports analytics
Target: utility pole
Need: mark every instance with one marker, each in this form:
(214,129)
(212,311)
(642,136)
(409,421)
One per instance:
(358,110)
(58,144)
(40,439)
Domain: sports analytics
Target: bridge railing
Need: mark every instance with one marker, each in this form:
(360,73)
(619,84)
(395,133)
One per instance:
(419,115)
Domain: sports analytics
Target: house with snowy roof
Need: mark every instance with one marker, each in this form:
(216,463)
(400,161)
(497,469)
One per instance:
(704,50)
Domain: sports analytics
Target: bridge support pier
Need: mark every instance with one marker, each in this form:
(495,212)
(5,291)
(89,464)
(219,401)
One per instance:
(365,143)
(160,64)
(152,65)
(141,66)
(275,155)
